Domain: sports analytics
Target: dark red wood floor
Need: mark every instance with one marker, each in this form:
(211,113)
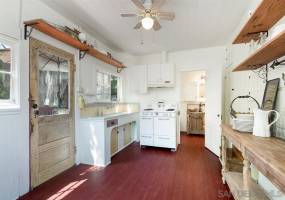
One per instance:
(192,173)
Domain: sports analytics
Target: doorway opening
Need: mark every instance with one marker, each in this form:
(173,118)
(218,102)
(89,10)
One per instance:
(192,102)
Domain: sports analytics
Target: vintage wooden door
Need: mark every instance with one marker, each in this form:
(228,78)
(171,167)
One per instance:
(51,111)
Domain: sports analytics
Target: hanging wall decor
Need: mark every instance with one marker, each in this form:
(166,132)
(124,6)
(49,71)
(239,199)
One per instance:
(270,94)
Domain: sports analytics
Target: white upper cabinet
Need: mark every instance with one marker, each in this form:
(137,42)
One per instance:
(142,74)
(160,75)
(167,74)
(136,79)
(88,80)
(153,74)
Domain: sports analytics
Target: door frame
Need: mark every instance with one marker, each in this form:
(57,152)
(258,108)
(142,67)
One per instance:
(214,148)
(34,46)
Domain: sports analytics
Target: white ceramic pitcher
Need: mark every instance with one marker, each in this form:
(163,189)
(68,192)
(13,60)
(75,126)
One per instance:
(261,126)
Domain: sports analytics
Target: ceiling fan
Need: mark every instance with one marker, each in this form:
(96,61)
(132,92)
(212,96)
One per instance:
(149,14)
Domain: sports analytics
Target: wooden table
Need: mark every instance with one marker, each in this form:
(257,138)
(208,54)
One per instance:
(266,154)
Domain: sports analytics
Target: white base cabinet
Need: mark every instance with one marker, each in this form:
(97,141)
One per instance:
(121,137)
(100,139)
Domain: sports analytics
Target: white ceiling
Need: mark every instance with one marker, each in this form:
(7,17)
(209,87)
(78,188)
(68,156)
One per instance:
(198,23)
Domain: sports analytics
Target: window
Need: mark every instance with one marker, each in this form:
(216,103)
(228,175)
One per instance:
(107,87)
(8,76)
(5,72)
(114,88)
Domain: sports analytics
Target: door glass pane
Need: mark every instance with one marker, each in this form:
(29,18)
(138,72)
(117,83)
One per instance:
(53,79)
(5,80)
(5,57)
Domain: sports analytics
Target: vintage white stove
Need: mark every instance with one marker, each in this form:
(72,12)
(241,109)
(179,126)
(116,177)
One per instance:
(159,126)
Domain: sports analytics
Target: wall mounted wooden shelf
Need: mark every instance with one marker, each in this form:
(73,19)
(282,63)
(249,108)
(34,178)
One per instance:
(97,54)
(50,30)
(265,16)
(270,51)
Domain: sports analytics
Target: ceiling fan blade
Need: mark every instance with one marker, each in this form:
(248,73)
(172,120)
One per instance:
(138,26)
(156,4)
(166,15)
(138,4)
(128,15)
(156,25)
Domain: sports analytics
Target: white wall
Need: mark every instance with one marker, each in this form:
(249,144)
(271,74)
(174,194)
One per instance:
(14,135)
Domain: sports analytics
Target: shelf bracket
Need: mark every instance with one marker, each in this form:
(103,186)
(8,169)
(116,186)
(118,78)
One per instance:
(28,32)
(119,70)
(262,72)
(82,54)
(258,33)
(276,63)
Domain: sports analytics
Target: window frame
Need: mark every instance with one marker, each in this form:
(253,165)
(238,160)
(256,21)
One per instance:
(12,104)
(119,87)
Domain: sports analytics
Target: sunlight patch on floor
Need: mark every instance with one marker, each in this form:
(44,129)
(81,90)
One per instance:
(66,190)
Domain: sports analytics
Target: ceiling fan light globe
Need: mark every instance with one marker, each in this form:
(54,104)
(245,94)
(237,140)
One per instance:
(147,23)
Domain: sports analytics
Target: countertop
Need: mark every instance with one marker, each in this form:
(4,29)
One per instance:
(110,116)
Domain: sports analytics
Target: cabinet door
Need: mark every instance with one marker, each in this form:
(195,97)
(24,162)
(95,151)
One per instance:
(88,80)
(121,133)
(146,126)
(167,73)
(164,126)
(153,74)
(136,79)
(114,141)
(128,134)
(142,79)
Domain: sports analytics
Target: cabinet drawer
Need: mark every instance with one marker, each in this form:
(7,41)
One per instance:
(146,140)
(167,142)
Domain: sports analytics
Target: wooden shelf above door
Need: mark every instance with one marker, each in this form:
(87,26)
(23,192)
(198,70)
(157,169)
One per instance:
(270,51)
(50,30)
(265,16)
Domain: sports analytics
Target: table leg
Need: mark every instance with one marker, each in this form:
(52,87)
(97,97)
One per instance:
(224,158)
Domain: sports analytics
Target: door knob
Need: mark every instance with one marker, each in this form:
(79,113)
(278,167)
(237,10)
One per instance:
(36,113)
(35,106)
